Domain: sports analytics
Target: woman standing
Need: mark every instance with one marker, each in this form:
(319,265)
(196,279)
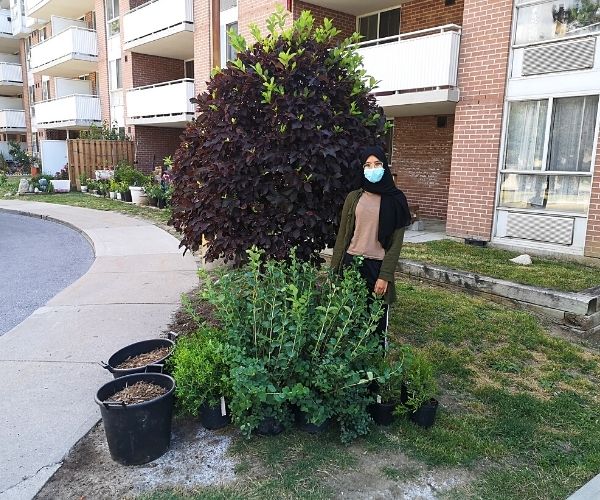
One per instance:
(372,226)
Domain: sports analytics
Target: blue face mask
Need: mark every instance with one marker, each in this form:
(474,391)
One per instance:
(374,174)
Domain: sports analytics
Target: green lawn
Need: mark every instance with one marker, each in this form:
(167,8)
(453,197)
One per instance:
(98,203)
(545,272)
(519,415)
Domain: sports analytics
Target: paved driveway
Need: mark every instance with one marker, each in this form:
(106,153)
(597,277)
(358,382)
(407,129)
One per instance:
(38,259)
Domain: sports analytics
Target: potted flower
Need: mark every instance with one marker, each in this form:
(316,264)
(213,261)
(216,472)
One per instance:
(201,373)
(421,387)
(113,187)
(83,182)
(61,182)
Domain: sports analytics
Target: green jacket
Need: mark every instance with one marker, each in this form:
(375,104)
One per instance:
(345,234)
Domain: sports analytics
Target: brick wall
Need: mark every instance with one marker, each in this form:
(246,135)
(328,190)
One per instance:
(153,144)
(202,44)
(257,12)
(101,82)
(149,70)
(421,159)
(424,14)
(478,120)
(342,21)
(592,244)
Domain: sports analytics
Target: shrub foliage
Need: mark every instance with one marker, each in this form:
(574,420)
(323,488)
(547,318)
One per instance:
(273,152)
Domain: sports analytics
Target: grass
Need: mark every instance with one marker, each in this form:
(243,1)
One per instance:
(544,272)
(519,415)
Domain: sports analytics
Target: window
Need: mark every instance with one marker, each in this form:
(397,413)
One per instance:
(549,154)
(228,4)
(389,140)
(379,25)
(556,19)
(230,52)
(112,17)
(189,69)
(45,90)
(42,34)
(31,94)
(115,78)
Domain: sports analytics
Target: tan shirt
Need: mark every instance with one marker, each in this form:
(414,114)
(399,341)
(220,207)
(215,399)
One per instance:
(366,228)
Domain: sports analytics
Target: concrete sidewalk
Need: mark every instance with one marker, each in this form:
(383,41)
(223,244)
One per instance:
(49,361)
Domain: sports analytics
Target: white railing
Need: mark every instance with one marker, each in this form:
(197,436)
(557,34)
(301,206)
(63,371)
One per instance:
(156,16)
(73,41)
(423,59)
(73,108)
(10,72)
(5,23)
(12,118)
(168,98)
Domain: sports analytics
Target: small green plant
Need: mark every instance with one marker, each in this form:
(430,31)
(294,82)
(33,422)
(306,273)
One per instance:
(3,164)
(3,179)
(199,369)
(391,374)
(130,175)
(83,179)
(420,383)
(104,132)
(23,158)
(44,186)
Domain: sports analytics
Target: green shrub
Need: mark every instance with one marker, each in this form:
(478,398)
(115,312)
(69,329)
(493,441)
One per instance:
(199,369)
(297,335)
(130,175)
(420,382)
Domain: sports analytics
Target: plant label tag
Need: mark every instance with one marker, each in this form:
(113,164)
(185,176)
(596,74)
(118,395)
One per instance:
(378,398)
(223,409)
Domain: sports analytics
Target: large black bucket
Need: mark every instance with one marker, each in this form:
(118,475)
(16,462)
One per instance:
(133,350)
(137,433)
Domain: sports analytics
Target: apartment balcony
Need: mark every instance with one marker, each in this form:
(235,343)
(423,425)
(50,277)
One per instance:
(11,79)
(417,72)
(70,112)
(8,42)
(163,105)
(70,53)
(161,28)
(72,9)
(12,121)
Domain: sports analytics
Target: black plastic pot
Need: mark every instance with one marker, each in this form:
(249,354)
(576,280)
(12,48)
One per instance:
(211,417)
(137,433)
(304,425)
(133,350)
(382,413)
(269,427)
(425,415)
(126,196)
(161,203)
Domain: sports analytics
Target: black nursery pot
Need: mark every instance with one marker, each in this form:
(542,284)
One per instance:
(269,427)
(211,417)
(126,196)
(425,415)
(133,350)
(304,425)
(137,433)
(382,413)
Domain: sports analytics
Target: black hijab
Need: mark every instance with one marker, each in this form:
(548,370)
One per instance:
(394,212)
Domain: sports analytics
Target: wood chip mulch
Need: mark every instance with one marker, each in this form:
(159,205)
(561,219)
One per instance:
(146,358)
(139,392)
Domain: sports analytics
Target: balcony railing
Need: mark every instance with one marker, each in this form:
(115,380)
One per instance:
(74,111)
(5,23)
(160,27)
(11,74)
(162,104)
(420,61)
(12,120)
(72,52)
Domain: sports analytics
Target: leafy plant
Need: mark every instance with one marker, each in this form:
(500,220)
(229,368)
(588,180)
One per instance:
(62,174)
(199,369)
(83,179)
(296,335)
(130,175)
(3,164)
(274,149)
(392,373)
(23,158)
(104,132)
(420,383)
(3,179)
(45,186)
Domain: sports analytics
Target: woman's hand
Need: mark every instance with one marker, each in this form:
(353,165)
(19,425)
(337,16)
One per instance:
(380,287)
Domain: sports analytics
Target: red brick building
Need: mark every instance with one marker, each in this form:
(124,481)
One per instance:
(494,103)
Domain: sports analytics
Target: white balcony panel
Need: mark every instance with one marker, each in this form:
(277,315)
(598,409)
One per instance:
(43,9)
(11,79)
(72,112)
(5,23)
(418,71)
(8,42)
(12,120)
(161,28)
(163,105)
(72,53)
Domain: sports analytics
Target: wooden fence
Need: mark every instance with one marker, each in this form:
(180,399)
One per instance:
(87,156)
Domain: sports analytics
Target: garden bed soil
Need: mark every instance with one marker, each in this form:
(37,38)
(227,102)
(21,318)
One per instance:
(146,358)
(140,392)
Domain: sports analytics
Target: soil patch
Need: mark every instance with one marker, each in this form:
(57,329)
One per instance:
(197,458)
(140,392)
(146,358)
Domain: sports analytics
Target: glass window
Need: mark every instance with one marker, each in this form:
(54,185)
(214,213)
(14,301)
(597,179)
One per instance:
(115,81)
(389,23)
(112,9)
(572,136)
(31,94)
(231,53)
(525,138)
(367,27)
(189,69)
(545,180)
(556,19)
(45,90)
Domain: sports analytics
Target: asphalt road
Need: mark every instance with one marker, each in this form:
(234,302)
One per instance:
(38,259)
